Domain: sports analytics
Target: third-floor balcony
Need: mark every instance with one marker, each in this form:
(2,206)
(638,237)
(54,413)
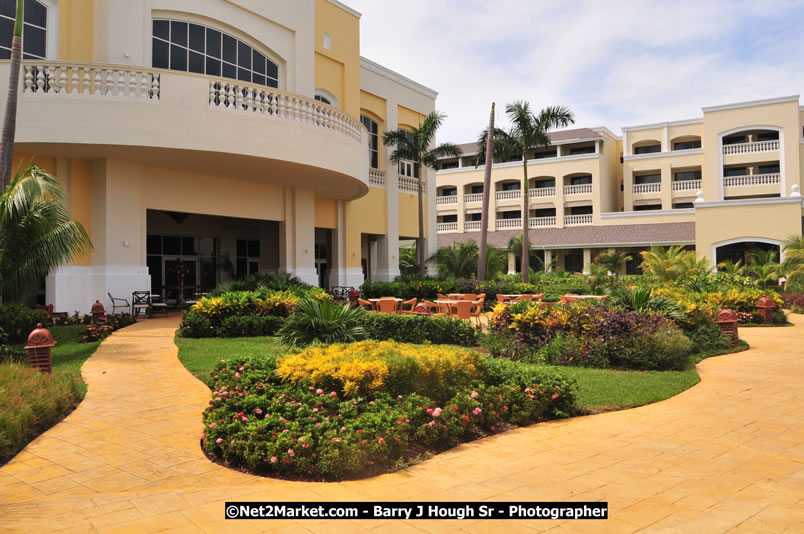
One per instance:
(580,189)
(446,200)
(687,185)
(473,198)
(508,224)
(577,220)
(542,192)
(514,194)
(748,148)
(647,188)
(750,180)
(541,222)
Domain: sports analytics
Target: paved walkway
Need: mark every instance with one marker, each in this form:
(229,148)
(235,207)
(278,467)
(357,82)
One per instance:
(726,455)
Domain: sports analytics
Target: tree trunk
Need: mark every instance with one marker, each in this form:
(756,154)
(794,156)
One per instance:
(525,224)
(420,242)
(484,216)
(10,119)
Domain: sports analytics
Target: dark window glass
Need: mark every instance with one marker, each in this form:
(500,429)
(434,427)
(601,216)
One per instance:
(196,63)
(541,184)
(580,180)
(735,171)
(155,270)
(178,58)
(162,29)
(542,155)
(229,71)
(511,186)
(449,192)
(449,218)
(582,150)
(258,62)
(153,244)
(271,83)
(197,38)
(213,66)
(244,55)
(734,139)
(35,13)
(34,40)
(208,272)
(648,179)
(160,53)
(6,32)
(449,165)
(476,217)
(178,33)
(171,245)
(647,149)
(256,78)
(477,189)
(271,69)
(768,136)
(648,207)
(769,169)
(5,53)
(374,142)
(244,75)
(8,8)
(253,248)
(545,212)
(242,247)
(687,175)
(188,246)
(511,214)
(229,49)
(581,210)
(683,205)
(253,267)
(687,145)
(213,43)
(242,264)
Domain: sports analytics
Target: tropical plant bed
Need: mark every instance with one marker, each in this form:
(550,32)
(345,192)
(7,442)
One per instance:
(354,410)
(30,402)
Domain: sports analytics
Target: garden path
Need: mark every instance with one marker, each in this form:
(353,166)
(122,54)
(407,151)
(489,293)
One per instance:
(726,454)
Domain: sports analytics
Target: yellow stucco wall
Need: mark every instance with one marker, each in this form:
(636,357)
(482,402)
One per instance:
(81,200)
(76,30)
(326,212)
(408,117)
(409,215)
(344,30)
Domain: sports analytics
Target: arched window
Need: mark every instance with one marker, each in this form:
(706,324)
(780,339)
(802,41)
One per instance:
(190,47)
(323,99)
(374,140)
(322,95)
(34,30)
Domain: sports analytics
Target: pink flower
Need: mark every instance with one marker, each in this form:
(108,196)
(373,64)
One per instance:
(237,375)
(203,436)
(359,431)
(430,411)
(493,428)
(274,459)
(305,446)
(362,442)
(291,452)
(333,394)
(244,419)
(219,440)
(431,423)
(381,441)
(505,408)
(336,440)
(315,409)
(240,369)
(436,412)
(257,411)
(319,391)
(475,394)
(477,411)
(554,396)
(213,425)
(311,388)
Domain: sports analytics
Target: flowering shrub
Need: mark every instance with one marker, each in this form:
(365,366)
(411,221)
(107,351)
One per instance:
(366,367)
(296,429)
(793,299)
(710,303)
(101,329)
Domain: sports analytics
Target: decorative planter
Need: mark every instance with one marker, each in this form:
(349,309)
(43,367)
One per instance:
(727,321)
(766,307)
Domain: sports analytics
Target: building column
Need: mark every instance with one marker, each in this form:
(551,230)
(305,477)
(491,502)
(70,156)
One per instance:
(343,271)
(559,202)
(667,187)
(297,235)
(548,259)
(628,188)
(384,252)
(587,260)
(431,239)
(511,263)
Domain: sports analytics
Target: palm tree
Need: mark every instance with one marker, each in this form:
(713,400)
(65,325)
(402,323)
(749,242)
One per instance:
(484,214)
(458,260)
(762,257)
(793,264)
(407,261)
(765,273)
(661,262)
(731,267)
(496,263)
(614,262)
(10,119)
(416,146)
(36,233)
(527,132)
(687,264)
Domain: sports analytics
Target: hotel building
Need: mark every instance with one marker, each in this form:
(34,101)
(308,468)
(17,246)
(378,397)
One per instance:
(723,183)
(228,135)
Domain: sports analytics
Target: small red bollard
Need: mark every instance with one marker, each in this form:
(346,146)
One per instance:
(98,312)
(766,307)
(354,294)
(40,343)
(727,321)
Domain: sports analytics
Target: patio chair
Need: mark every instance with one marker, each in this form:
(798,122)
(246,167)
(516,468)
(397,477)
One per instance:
(366,305)
(157,306)
(476,310)
(442,297)
(407,307)
(461,309)
(141,302)
(387,305)
(435,309)
(118,303)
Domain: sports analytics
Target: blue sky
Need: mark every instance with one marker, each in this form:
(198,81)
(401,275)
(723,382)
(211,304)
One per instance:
(613,63)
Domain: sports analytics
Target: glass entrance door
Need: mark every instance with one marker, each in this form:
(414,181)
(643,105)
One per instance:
(181,278)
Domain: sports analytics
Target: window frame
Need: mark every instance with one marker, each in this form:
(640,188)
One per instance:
(51,31)
(374,139)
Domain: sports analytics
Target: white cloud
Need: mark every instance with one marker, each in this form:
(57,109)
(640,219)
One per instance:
(613,63)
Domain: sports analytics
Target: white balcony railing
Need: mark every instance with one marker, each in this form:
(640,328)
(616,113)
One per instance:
(88,80)
(577,220)
(541,222)
(751,180)
(377,177)
(542,192)
(473,198)
(508,224)
(509,195)
(446,227)
(471,226)
(647,188)
(687,185)
(581,189)
(271,102)
(446,200)
(748,148)
(408,184)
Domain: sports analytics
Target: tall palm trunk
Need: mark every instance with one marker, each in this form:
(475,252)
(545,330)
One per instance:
(420,242)
(525,223)
(10,119)
(484,216)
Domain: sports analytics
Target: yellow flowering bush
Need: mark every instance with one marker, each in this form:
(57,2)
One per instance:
(711,302)
(367,367)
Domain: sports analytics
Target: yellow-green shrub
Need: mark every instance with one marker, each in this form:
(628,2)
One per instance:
(367,367)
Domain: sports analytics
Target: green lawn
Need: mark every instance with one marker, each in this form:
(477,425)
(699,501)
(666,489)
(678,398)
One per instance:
(199,356)
(30,402)
(599,390)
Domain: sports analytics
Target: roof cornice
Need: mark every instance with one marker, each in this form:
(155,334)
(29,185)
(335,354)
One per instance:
(346,8)
(752,103)
(748,202)
(684,122)
(385,72)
